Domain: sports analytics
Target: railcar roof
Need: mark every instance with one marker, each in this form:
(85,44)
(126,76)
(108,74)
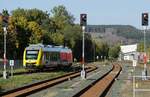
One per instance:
(48,48)
(57,49)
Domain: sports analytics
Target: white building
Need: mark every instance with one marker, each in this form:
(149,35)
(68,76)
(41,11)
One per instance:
(128,52)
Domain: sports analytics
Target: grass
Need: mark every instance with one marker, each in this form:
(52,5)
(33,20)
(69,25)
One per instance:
(15,70)
(21,80)
(25,79)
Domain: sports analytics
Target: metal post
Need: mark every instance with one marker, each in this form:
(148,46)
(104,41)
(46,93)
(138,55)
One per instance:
(5,58)
(83,29)
(94,51)
(11,71)
(145,67)
(83,73)
(133,86)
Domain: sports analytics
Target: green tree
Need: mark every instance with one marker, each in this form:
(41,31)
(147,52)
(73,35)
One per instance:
(36,32)
(114,52)
(10,36)
(140,47)
(88,48)
(11,39)
(102,49)
(57,38)
(22,33)
(62,17)
(47,39)
(72,33)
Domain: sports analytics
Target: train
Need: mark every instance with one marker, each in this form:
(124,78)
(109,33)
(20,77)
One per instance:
(39,56)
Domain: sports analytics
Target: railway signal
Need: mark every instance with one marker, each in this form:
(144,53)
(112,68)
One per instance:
(5,21)
(145,24)
(83,19)
(144,19)
(83,23)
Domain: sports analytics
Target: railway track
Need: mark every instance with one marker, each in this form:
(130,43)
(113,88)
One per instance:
(30,89)
(100,87)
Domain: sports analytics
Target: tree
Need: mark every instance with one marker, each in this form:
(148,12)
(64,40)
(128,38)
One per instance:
(72,33)
(88,48)
(36,32)
(22,33)
(47,39)
(73,40)
(37,16)
(62,17)
(57,38)
(10,36)
(102,49)
(114,52)
(140,47)
(29,26)
(11,39)
(1,40)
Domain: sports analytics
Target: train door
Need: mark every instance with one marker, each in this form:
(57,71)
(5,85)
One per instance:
(46,59)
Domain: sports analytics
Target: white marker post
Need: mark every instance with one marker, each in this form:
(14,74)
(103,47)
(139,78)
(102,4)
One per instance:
(134,64)
(11,63)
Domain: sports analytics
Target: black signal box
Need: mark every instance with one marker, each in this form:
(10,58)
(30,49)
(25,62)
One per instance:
(83,19)
(5,21)
(144,19)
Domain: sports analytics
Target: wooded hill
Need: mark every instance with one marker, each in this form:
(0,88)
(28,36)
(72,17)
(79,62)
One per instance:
(125,34)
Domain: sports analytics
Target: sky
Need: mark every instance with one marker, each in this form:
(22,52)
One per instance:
(99,12)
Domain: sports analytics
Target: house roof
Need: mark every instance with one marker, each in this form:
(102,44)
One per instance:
(128,48)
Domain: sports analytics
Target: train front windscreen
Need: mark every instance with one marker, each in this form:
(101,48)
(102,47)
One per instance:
(31,54)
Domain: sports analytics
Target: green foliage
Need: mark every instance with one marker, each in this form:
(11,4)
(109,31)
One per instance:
(31,26)
(22,34)
(62,17)
(140,47)
(57,38)
(36,32)
(47,39)
(104,48)
(101,49)
(1,41)
(71,34)
(114,52)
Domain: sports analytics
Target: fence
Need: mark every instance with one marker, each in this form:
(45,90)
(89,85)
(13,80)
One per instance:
(17,64)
